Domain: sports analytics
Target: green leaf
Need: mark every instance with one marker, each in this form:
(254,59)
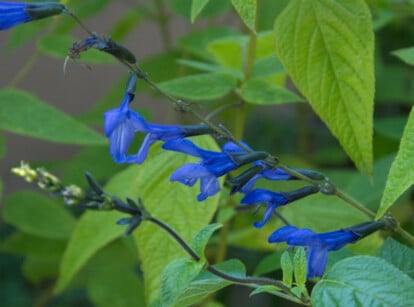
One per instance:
(196,42)
(18,36)
(267,66)
(300,267)
(200,240)
(27,245)
(247,12)
(229,51)
(38,269)
(38,215)
(405,54)
(399,255)
(173,203)
(93,231)
(57,46)
(261,92)
(207,283)
(287,268)
(175,278)
(196,7)
(364,281)
(200,87)
(125,24)
(328,49)
(401,175)
(268,264)
(184,8)
(46,122)
(209,67)
(265,289)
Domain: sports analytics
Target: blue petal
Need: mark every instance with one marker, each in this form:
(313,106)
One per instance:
(282,234)
(275,174)
(317,259)
(232,147)
(189,171)
(304,237)
(337,239)
(263,196)
(209,186)
(184,146)
(12,14)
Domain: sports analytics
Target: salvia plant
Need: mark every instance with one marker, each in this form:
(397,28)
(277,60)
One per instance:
(169,214)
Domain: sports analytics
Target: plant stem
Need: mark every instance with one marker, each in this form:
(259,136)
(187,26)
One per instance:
(25,69)
(163,19)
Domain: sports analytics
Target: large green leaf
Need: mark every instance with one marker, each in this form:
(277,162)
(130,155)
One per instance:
(399,255)
(364,281)
(401,175)
(38,215)
(196,7)
(260,92)
(24,114)
(93,231)
(247,12)
(172,203)
(328,49)
(201,86)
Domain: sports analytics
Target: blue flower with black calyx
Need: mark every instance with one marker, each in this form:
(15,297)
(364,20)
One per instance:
(122,123)
(317,245)
(211,166)
(273,200)
(15,13)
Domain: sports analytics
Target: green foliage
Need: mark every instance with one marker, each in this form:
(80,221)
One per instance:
(399,255)
(196,8)
(332,65)
(401,175)
(347,283)
(287,268)
(46,122)
(406,55)
(38,215)
(300,267)
(247,11)
(200,240)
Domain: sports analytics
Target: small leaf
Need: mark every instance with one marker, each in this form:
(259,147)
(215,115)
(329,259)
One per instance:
(327,47)
(200,240)
(200,87)
(38,215)
(257,91)
(38,269)
(405,54)
(175,278)
(287,268)
(399,255)
(267,66)
(93,231)
(265,289)
(247,12)
(209,67)
(364,281)
(207,283)
(196,7)
(300,268)
(401,175)
(229,51)
(46,122)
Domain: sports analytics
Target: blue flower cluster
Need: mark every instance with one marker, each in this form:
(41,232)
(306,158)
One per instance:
(122,123)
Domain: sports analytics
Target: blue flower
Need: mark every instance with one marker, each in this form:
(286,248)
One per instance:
(274,200)
(122,123)
(318,245)
(14,13)
(211,166)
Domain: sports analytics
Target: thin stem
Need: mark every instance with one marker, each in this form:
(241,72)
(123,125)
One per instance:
(348,199)
(25,69)
(222,245)
(85,28)
(163,20)
(403,233)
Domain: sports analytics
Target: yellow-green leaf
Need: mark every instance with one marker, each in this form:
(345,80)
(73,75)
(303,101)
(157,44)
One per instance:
(401,175)
(196,7)
(247,12)
(328,49)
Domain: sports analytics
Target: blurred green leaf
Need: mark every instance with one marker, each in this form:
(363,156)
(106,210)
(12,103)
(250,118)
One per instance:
(175,279)
(287,268)
(57,46)
(265,289)
(392,127)
(247,12)
(399,255)
(267,66)
(300,267)
(267,12)
(93,231)
(28,245)
(200,87)
(265,45)
(2,146)
(210,67)
(406,55)
(200,240)
(125,24)
(212,8)
(333,66)
(258,91)
(38,215)
(358,281)
(18,36)
(196,42)
(395,84)
(206,283)
(172,203)
(38,269)
(229,51)
(46,122)
(196,7)
(268,264)
(401,175)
